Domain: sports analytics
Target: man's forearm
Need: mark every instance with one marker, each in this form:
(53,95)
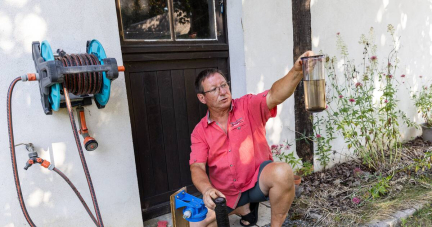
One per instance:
(200,178)
(283,88)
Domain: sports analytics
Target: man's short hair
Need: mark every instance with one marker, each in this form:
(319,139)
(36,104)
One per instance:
(206,73)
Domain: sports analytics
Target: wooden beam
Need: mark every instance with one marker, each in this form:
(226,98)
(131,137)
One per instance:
(301,19)
(177,214)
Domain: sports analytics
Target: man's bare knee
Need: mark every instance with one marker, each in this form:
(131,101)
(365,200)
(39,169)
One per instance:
(276,174)
(281,173)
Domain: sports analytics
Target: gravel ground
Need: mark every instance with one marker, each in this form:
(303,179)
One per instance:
(289,222)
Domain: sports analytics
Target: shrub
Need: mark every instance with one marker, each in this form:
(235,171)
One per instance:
(368,123)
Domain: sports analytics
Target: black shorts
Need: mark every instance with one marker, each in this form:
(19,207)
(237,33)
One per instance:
(254,194)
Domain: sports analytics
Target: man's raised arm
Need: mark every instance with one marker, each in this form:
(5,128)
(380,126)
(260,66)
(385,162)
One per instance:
(284,87)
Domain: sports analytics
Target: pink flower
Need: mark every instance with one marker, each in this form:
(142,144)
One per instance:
(287,147)
(357,172)
(318,135)
(373,58)
(403,75)
(326,106)
(390,76)
(338,33)
(281,145)
(358,84)
(352,100)
(340,96)
(386,101)
(356,200)
(273,147)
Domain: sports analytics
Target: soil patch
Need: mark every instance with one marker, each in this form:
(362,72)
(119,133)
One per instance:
(352,194)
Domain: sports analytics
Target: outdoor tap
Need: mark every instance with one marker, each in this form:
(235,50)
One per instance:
(29,148)
(34,158)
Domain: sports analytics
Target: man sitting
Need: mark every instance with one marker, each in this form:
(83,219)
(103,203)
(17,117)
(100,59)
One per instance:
(231,140)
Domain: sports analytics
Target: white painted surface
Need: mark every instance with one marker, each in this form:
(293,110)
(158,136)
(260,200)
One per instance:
(412,21)
(236,51)
(50,201)
(268,50)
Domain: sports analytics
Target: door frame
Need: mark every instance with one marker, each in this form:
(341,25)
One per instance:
(134,51)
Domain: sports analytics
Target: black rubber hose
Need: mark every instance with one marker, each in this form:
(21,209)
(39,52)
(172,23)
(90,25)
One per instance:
(81,154)
(12,150)
(221,212)
(77,193)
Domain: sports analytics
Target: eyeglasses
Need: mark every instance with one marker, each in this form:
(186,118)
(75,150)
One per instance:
(216,90)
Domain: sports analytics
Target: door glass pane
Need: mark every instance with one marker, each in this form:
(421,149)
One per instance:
(145,19)
(194,19)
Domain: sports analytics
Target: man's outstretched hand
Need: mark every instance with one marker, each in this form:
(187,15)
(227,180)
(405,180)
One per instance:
(209,195)
(298,64)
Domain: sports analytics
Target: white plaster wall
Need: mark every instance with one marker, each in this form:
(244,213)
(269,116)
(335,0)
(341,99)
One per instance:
(50,201)
(412,21)
(268,54)
(236,48)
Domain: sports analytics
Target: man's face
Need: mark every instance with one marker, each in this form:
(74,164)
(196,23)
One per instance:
(219,98)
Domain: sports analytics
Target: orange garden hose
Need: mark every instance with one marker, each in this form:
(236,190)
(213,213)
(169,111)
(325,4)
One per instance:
(46,164)
(81,153)
(12,150)
(77,193)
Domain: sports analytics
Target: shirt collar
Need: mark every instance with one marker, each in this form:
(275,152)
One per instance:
(209,121)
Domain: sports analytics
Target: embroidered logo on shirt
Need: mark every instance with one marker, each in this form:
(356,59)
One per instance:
(237,122)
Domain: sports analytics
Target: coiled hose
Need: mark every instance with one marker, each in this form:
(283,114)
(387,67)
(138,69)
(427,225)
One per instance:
(15,170)
(82,83)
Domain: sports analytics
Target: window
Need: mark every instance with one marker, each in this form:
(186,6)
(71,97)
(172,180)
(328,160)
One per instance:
(170,20)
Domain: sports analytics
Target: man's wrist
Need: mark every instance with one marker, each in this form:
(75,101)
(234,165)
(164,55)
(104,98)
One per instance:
(296,74)
(206,189)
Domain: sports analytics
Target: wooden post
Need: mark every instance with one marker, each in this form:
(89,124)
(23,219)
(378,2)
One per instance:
(177,214)
(301,19)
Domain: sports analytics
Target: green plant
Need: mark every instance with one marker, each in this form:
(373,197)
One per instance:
(424,162)
(286,157)
(324,147)
(381,187)
(306,169)
(368,123)
(423,102)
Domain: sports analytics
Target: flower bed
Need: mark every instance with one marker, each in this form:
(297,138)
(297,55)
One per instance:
(351,194)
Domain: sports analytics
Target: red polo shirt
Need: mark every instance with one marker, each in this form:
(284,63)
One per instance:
(234,157)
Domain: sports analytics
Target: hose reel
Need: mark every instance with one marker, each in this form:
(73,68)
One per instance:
(79,71)
(86,76)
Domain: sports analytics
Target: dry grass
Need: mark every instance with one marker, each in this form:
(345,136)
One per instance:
(330,203)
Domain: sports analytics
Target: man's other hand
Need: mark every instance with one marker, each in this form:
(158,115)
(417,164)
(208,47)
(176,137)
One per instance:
(209,195)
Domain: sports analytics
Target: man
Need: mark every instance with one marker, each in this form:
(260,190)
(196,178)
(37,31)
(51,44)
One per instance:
(231,140)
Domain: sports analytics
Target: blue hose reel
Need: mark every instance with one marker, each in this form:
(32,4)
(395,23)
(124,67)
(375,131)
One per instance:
(51,75)
(194,208)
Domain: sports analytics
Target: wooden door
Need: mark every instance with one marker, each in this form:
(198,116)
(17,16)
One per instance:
(161,65)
